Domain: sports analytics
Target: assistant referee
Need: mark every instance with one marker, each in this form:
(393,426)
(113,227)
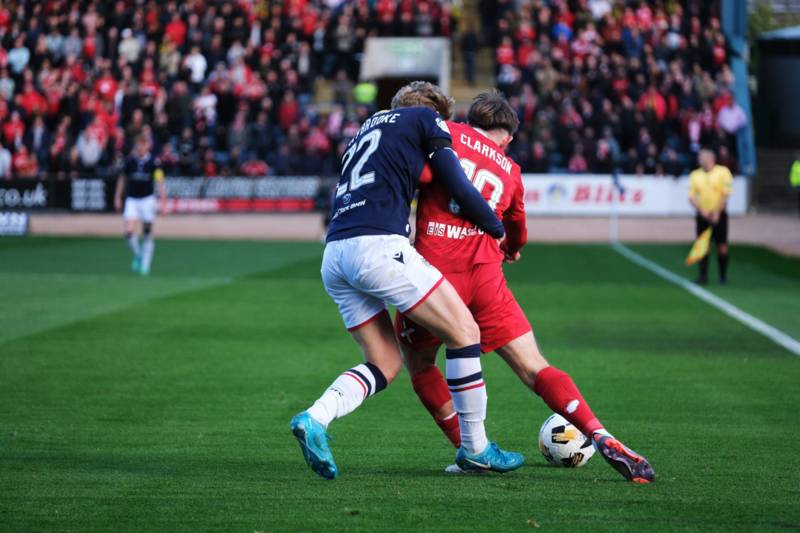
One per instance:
(709,188)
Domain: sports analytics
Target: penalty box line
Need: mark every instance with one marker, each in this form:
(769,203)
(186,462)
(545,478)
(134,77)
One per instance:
(775,335)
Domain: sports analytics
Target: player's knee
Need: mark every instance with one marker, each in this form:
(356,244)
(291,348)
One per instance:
(147,228)
(465,332)
(722,249)
(390,369)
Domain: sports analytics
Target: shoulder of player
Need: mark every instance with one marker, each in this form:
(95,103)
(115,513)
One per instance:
(458,126)
(425,115)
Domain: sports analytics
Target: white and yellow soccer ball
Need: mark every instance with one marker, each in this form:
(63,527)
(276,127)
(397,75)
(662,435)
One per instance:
(562,444)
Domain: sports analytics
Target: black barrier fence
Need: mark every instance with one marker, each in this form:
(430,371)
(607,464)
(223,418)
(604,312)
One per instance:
(184,194)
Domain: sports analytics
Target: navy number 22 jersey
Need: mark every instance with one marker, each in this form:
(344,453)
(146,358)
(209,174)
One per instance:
(142,172)
(380,170)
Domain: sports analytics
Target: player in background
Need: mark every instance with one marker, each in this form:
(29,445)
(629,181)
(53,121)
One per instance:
(140,177)
(709,188)
(369,263)
(472,262)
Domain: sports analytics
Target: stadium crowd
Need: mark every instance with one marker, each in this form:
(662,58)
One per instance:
(602,84)
(227,88)
(221,87)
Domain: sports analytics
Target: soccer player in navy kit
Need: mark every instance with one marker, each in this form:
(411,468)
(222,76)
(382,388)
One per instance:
(139,178)
(369,263)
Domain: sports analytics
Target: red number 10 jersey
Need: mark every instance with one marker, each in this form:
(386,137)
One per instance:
(450,242)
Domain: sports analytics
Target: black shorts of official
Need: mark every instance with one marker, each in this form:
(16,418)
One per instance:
(719,231)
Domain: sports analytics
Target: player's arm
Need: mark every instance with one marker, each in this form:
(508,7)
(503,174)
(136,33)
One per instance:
(444,163)
(118,192)
(515,223)
(447,169)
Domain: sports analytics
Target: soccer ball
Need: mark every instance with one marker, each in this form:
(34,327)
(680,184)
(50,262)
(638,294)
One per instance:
(562,444)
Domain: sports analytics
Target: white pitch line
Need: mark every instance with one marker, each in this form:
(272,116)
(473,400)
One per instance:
(774,334)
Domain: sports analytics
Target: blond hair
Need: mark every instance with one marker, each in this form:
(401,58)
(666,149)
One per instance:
(425,94)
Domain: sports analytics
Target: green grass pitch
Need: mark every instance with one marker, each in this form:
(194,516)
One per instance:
(162,404)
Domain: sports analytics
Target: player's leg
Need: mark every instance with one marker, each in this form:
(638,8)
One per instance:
(148,215)
(721,238)
(701,224)
(554,386)
(130,220)
(560,393)
(425,297)
(366,318)
(445,315)
(347,392)
(353,386)
(419,350)
(505,329)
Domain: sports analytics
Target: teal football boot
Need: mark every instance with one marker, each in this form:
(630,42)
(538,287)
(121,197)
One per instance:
(313,441)
(493,459)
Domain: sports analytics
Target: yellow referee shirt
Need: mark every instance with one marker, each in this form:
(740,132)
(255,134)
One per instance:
(709,188)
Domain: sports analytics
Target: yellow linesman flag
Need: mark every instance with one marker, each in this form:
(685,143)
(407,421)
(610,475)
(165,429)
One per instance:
(699,248)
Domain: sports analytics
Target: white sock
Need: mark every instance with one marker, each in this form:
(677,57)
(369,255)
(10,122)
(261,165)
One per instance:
(148,247)
(465,381)
(133,242)
(347,392)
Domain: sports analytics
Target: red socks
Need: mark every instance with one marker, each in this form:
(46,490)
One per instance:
(561,394)
(451,429)
(554,386)
(431,388)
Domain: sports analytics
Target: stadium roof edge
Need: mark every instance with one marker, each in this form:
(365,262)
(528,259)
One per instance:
(791,33)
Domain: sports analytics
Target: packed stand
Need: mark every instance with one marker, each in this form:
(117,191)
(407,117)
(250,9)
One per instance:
(604,85)
(221,87)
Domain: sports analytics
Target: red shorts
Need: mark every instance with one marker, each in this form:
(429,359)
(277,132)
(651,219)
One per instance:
(496,311)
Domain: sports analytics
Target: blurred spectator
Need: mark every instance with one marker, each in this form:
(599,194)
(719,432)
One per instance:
(577,163)
(37,139)
(5,162)
(646,78)
(24,164)
(189,75)
(583,71)
(342,88)
(469,48)
(731,117)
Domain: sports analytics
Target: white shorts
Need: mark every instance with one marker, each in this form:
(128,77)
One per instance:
(143,209)
(365,274)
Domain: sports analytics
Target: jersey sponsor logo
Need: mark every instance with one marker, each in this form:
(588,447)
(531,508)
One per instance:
(451,231)
(349,207)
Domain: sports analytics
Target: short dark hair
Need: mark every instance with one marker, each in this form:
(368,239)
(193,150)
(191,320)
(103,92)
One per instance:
(490,110)
(426,94)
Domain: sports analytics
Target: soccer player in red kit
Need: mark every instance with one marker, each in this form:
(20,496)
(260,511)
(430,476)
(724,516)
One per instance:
(472,262)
